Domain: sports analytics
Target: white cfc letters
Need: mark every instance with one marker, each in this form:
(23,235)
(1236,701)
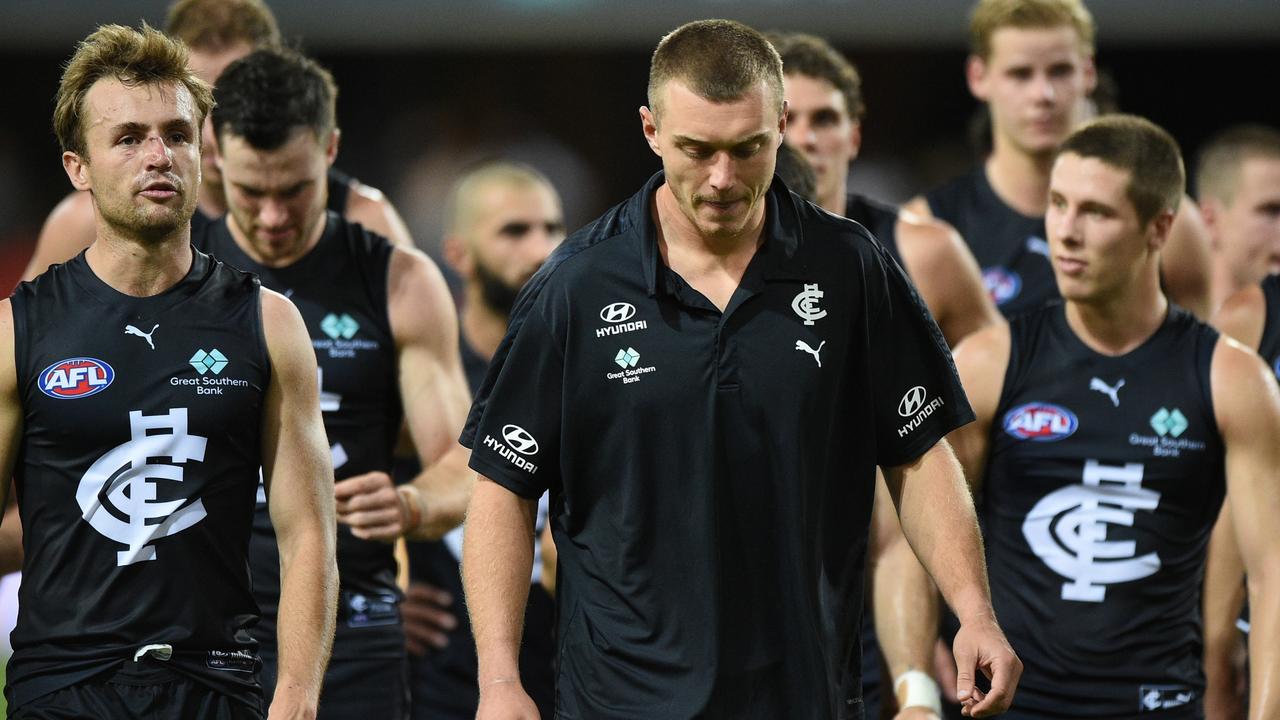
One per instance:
(1067,529)
(117,493)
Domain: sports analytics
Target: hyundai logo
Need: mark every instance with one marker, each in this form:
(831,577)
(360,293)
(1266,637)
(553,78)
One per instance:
(912,401)
(618,312)
(520,440)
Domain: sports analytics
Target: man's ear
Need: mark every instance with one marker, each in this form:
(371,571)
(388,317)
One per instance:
(331,147)
(77,168)
(455,253)
(1160,229)
(975,74)
(649,125)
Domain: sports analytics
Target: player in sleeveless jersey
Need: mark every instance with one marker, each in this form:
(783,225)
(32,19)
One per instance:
(217,32)
(1104,425)
(143,386)
(502,220)
(1031,62)
(1238,181)
(383,327)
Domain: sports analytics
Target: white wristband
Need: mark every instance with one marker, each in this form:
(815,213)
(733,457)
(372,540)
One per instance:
(920,690)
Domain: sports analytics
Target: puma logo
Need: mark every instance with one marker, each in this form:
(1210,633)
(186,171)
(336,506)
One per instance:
(1105,389)
(131,330)
(802,345)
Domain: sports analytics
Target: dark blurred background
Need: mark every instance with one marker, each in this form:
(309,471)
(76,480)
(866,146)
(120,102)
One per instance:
(428,86)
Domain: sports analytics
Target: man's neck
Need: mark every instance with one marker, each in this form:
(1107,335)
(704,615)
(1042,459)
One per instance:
(712,266)
(482,327)
(837,203)
(211,200)
(1225,283)
(1120,324)
(281,261)
(1019,179)
(140,268)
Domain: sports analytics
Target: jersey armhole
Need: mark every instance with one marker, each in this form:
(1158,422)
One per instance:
(263,348)
(1204,367)
(21,371)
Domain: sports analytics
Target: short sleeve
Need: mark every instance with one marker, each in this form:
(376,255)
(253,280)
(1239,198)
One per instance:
(918,397)
(513,429)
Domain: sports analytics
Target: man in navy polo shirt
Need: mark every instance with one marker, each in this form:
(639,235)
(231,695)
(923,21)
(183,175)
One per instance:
(705,378)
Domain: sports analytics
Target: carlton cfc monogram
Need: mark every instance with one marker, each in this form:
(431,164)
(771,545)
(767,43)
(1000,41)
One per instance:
(117,493)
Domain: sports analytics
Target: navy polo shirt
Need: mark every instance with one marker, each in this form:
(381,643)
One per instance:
(712,474)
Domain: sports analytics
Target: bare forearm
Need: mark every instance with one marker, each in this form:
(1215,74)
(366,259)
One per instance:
(308,605)
(11,541)
(444,490)
(939,521)
(1224,593)
(497,557)
(906,610)
(1264,651)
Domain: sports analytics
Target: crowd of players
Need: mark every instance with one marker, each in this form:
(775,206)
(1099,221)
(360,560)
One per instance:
(683,529)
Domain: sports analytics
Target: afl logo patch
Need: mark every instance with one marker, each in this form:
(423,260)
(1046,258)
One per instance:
(75,378)
(1002,285)
(1041,422)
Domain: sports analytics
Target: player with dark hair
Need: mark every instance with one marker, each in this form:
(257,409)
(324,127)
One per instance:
(382,324)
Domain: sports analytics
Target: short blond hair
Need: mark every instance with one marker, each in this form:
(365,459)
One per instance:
(134,57)
(990,15)
(720,60)
(219,24)
(1218,168)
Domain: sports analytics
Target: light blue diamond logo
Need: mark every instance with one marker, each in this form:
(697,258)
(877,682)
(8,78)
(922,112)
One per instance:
(213,361)
(627,358)
(1169,422)
(339,326)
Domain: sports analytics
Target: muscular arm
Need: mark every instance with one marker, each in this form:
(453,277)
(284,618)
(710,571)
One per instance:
(299,479)
(907,638)
(497,558)
(70,228)
(947,276)
(1242,317)
(369,207)
(1246,403)
(434,395)
(1186,260)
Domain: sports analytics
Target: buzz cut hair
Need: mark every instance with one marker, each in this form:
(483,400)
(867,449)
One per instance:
(219,24)
(459,209)
(144,56)
(1219,162)
(1146,151)
(811,56)
(988,16)
(719,60)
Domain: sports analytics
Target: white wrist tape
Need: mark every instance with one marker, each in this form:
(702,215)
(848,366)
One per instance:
(917,689)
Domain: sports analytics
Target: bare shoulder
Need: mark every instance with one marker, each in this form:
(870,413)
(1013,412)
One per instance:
(919,207)
(70,227)
(1242,385)
(928,244)
(8,357)
(984,353)
(418,298)
(1243,316)
(282,324)
(370,207)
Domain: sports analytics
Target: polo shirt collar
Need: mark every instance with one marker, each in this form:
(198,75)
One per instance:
(780,252)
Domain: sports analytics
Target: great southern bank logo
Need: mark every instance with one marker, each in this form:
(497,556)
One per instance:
(75,378)
(212,361)
(1041,422)
(339,326)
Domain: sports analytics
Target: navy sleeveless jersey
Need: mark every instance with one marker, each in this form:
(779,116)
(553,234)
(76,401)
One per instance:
(340,287)
(1269,346)
(136,476)
(880,218)
(1104,479)
(1009,246)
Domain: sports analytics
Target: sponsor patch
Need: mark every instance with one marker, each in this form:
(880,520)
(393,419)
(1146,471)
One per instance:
(238,661)
(76,378)
(1041,422)
(1152,698)
(358,610)
(1002,284)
